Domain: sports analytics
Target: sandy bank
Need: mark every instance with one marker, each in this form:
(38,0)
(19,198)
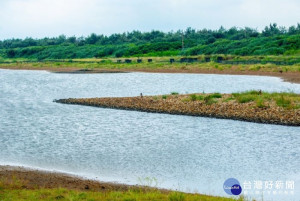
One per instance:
(33,179)
(225,107)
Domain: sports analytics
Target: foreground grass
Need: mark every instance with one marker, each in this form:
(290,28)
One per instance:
(17,191)
(64,194)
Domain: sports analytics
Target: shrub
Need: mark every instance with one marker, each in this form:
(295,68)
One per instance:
(193,97)
(216,95)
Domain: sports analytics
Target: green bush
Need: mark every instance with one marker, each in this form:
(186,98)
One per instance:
(216,95)
(193,97)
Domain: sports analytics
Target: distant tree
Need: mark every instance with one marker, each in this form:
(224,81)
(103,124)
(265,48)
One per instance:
(10,53)
(72,39)
(92,39)
(271,30)
(61,39)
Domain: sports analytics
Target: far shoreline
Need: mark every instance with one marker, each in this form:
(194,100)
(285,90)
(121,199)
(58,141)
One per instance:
(292,77)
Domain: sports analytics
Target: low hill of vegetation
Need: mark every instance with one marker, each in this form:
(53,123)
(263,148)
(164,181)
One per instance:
(273,40)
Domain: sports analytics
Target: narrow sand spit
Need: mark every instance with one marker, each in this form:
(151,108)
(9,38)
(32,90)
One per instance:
(224,108)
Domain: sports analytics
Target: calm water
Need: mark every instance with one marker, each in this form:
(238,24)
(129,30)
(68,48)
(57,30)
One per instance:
(190,154)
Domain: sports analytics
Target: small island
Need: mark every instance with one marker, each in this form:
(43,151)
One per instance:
(251,106)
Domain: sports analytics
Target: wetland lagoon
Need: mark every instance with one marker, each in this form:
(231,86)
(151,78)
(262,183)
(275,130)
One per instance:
(185,153)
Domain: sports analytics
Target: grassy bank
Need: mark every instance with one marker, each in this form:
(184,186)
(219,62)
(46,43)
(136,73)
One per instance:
(253,106)
(131,195)
(22,184)
(286,67)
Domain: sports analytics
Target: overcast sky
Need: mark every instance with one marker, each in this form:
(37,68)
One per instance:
(41,18)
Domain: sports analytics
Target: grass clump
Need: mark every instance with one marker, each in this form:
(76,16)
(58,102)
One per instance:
(216,95)
(164,97)
(176,196)
(246,98)
(287,100)
(209,100)
(283,102)
(195,97)
(260,103)
(174,93)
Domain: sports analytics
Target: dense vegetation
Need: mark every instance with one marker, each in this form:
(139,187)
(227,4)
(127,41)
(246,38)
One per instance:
(273,40)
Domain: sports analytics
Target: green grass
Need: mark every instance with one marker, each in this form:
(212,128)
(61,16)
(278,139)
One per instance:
(162,63)
(215,95)
(164,96)
(64,194)
(283,102)
(208,99)
(195,97)
(16,192)
(174,93)
(288,100)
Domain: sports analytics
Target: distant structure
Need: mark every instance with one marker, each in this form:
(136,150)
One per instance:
(188,60)
(207,59)
(128,61)
(219,59)
(139,60)
(150,60)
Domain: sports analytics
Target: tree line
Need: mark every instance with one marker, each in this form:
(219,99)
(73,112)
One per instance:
(272,40)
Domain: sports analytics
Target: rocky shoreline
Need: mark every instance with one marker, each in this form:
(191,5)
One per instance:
(224,108)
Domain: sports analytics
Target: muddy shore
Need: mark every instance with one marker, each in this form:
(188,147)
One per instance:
(33,179)
(181,105)
(293,77)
